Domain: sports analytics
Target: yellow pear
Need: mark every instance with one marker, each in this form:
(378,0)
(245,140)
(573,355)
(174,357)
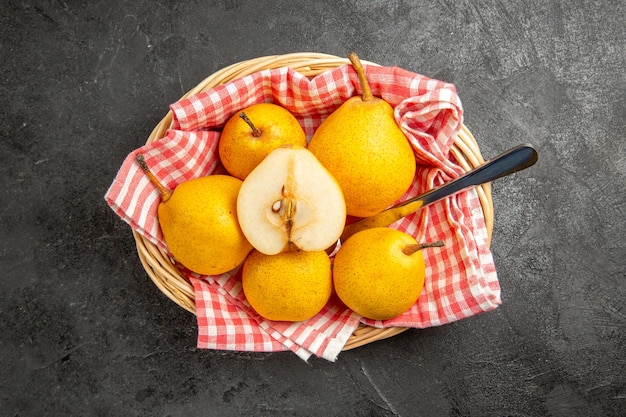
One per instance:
(379,272)
(289,286)
(361,144)
(252,133)
(199,222)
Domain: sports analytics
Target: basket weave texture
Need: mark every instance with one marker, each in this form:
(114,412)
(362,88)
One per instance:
(162,269)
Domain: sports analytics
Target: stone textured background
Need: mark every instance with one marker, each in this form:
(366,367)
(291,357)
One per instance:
(83,331)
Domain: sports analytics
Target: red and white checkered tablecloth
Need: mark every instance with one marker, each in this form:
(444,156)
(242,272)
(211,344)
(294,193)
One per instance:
(461,278)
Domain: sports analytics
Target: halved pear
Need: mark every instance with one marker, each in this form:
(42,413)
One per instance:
(289,202)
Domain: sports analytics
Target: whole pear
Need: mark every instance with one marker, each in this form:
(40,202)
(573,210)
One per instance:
(361,144)
(379,272)
(289,286)
(199,222)
(252,133)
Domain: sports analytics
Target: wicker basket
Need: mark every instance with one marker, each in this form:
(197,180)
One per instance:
(158,264)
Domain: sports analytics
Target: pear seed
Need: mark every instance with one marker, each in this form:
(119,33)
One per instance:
(277,206)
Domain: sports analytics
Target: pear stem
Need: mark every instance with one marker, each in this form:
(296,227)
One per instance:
(255,132)
(360,72)
(165,193)
(411,249)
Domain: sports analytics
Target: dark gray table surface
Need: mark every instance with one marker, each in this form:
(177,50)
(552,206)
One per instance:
(83,330)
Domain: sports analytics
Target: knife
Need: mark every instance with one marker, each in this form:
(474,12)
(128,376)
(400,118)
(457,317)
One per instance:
(509,162)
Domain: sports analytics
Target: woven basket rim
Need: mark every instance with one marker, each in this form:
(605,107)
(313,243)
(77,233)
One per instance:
(161,268)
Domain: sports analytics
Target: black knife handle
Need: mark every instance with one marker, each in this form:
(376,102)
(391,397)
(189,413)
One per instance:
(513,160)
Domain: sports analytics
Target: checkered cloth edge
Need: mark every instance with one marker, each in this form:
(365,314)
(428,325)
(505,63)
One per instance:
(461,277)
